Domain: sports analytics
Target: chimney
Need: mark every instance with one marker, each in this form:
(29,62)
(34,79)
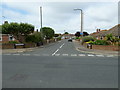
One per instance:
(97,30)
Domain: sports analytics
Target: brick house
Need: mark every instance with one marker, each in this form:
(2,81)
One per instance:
(100,34)
(5,38)
(67,36)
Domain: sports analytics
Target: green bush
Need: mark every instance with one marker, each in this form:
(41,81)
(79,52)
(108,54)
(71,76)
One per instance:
(78,38)
(90,42)
(87,39)
(35,38)
(101,42)
(13,42)
(59,38)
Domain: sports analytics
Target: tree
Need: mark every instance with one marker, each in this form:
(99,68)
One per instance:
(5,28)
(36,37)
(77,34)
(85,34)
(17,29)
(26,29)
(47,32)
(66,33)
(56,35)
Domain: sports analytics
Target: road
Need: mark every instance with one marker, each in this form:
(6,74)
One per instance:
(59,65)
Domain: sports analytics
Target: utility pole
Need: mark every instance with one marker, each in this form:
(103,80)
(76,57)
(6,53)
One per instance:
(41,23)
(81,20)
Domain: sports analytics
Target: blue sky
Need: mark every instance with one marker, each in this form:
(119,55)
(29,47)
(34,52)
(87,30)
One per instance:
(61,16)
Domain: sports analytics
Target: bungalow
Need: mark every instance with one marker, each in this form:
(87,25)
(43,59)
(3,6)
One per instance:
(5,38)
(67,36)
(100,34)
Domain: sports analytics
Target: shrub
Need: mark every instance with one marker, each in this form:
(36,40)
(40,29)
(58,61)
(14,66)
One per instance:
(101,42)
(87,39)
(59,38)
(13,42)
(36,37)
(90,42)
(78,38)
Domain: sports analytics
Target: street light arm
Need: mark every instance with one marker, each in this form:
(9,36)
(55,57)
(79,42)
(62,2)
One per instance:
(78,9)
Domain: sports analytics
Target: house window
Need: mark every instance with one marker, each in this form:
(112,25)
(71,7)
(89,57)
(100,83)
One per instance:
(11,38)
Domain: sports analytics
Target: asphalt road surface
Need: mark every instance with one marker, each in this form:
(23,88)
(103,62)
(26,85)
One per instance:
(59,65)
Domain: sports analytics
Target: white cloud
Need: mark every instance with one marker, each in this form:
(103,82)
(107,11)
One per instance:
(61,16)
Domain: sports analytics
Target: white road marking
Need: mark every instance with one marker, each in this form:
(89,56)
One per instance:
(73,54)
(7,54)
(109,56)
(16,54)
(81,54)
(62,45)
(100,55)
(46,55)
(64,54)
(90,55)
(55,52)
(26,54)
(36,54)
(19,51)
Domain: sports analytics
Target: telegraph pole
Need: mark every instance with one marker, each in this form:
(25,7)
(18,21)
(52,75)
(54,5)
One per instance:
(41,23)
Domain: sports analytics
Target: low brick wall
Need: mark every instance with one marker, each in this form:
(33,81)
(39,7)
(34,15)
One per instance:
(11,46)
(29,45)
(106,47)
(7,46)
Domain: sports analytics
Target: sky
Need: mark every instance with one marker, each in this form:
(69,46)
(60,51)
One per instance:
(61,16)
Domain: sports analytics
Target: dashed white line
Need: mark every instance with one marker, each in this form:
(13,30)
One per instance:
(100,55)
(36,54)
(55,52)
(62,45)
(90,55)
(73,54)
(16,54)
(7,54)
(46,55)
(109,56)
(81,54)
(26,54)
(64,54)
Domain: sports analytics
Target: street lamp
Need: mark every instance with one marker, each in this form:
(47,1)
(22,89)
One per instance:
(81,20)
(41,22)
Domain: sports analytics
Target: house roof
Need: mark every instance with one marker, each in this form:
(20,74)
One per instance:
(115,31)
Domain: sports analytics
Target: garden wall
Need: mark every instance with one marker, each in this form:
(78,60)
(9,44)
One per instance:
(11,46)
(8,46)
(106,47)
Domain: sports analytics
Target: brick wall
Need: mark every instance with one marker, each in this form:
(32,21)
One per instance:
(7,46)
(106,47)
(5,39)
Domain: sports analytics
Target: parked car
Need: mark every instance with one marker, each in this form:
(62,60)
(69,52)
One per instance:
(69,40)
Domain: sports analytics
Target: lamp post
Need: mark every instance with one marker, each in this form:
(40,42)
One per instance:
(41,23)
(81,20)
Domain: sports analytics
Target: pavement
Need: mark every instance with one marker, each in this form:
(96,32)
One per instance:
(81,48)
